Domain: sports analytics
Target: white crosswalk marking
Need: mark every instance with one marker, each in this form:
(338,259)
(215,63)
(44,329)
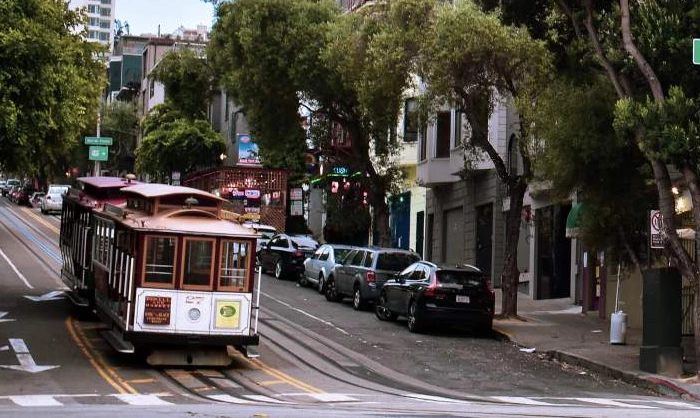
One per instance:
(611,402)
(141,400)
(262,398)
(521,400)
(332,397)
(436,399)
(35,400)
(228,399)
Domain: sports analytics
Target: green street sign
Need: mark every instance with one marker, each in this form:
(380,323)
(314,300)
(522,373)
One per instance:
(98,153)
(696,51)
(98,140)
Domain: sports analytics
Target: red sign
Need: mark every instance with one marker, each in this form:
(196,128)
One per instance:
(157,310)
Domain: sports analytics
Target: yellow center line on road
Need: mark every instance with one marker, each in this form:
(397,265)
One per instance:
(97,362)
(40,219)
(287,378)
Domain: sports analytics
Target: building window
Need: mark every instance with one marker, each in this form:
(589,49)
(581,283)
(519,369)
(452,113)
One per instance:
(106,1)
(199,263)
(104,24)
(94,21)
(160,260)
(234,266)
(105,11)
(151,89)
(93,8)
(93,34)
(458,129)
(442,136)
(104,36)
(410,120)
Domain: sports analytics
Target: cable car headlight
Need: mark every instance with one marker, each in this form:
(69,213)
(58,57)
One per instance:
(194,314)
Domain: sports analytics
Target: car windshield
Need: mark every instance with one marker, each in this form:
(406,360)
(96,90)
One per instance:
(396,261)
(461,278)
(13,182)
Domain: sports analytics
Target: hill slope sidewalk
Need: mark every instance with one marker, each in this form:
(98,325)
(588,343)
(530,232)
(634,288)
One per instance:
(558,328)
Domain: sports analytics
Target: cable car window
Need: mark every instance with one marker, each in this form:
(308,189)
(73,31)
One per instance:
(234,266)
(199,262)
(103,242)
(160,260)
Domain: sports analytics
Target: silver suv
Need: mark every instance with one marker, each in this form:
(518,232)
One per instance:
(363,271)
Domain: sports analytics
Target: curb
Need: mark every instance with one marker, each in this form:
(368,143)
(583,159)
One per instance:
(646,381)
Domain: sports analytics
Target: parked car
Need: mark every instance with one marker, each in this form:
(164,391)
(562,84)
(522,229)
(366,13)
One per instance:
(429,294)
(284,256)
(9,184)
(363,271)
(12,193)
(319,266)
(266,232)
(23,194)
(35,199)
(53,201)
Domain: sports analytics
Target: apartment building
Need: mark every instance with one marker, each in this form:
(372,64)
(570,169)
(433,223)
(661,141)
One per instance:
(101,22)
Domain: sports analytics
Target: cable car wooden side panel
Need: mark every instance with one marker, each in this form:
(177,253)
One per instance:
(76,231)
(173,278)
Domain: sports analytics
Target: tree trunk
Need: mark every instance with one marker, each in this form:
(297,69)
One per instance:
(381,222)
(510,276)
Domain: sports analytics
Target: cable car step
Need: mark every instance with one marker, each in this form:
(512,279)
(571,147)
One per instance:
(117,342)
(78,300)
(250,352)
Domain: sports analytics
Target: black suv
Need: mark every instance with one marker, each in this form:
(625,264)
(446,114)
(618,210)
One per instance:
(363,271)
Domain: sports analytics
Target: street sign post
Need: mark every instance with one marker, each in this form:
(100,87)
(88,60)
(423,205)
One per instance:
(98,153)
(98,140)
(696,51)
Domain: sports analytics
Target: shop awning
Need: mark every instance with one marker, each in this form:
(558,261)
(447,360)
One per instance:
(573,221)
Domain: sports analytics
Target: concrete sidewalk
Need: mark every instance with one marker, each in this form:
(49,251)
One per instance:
(559,329)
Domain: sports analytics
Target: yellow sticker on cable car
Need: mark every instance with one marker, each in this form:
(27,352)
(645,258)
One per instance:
(228,314)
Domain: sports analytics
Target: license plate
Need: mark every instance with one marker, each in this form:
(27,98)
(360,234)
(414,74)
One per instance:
(462,299)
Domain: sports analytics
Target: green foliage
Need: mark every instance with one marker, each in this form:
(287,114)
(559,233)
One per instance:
(582,153)
(49,85)
(120,121)
(187,80)
(172,142)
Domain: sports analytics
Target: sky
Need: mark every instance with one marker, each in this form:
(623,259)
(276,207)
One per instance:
(144,16)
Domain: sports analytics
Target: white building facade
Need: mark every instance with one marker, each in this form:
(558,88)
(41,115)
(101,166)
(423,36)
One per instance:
(101,24)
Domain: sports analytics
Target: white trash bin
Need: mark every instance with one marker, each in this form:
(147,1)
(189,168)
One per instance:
(618,327)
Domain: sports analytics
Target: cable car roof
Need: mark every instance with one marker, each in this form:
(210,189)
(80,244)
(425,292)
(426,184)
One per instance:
(106,181)
(152,190)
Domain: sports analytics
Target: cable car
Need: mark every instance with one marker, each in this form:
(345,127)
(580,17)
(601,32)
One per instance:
(173,277)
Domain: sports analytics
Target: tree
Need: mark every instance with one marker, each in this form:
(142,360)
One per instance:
(275,56)
(644,51)
(172,142)
(121,122)
(470,59)
(50,85)
(176,134)
(187,79)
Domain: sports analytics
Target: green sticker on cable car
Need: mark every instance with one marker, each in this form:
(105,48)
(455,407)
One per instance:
(227,311)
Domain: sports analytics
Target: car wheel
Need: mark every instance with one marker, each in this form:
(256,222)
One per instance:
(414,322)
(278,270)
(382,312)
(303,281)
(358,302)
(321,284)
(332,294)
